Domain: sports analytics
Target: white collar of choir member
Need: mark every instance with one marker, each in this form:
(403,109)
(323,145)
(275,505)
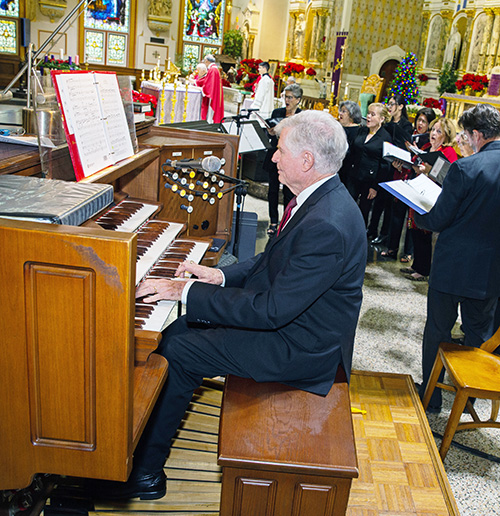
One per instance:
(307,192)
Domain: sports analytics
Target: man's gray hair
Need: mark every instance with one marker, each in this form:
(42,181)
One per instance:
(319,133)
(210,58)
(295,90)
(484,118)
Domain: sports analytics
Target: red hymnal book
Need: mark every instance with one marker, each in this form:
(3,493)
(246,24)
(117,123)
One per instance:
(94,119)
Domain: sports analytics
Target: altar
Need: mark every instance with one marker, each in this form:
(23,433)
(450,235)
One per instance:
(183,111)
(456,104)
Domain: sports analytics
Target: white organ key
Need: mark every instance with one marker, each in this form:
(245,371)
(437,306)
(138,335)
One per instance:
(156,320)
(148,259)
(137,219)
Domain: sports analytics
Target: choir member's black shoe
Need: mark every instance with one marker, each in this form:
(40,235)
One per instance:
(381,239)
(433,409)
(146,486)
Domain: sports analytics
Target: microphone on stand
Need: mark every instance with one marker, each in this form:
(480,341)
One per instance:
(207,164)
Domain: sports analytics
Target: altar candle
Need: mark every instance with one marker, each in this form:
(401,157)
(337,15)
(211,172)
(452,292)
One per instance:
(77,60)
(69,59)
(346,92)
(61,54)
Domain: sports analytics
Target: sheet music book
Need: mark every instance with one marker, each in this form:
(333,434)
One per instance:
(420,193)
(390,153)
(94,119)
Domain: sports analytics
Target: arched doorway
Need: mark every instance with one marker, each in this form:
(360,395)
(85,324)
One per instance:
(387,73)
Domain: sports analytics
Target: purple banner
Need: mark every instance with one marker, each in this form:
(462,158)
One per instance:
(340,46)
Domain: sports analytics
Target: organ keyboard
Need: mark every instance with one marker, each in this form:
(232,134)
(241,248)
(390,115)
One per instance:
(153,317)
(127,216)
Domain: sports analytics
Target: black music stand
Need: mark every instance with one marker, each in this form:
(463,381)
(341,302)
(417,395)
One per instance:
(252,138)
(198,125)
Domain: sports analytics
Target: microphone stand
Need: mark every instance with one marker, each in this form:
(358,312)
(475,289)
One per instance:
(31,61)
(240,190)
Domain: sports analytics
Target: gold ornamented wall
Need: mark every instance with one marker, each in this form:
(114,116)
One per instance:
(383,24)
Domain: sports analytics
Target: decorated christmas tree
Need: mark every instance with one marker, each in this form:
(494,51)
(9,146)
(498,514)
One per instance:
(405,80)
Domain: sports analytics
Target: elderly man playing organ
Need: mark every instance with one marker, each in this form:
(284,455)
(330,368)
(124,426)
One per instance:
(287,315)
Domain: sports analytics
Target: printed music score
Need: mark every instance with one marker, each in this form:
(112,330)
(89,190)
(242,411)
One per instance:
(94,120)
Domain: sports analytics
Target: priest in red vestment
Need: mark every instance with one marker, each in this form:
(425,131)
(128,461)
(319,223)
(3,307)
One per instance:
(211,84)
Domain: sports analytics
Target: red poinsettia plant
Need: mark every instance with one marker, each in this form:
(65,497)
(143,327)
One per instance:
(145,98)
(248,72)
(311,72)
(473,81)
(423,78)
(431,103)
(293,68)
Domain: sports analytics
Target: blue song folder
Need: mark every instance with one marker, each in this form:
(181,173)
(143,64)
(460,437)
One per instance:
(420,193)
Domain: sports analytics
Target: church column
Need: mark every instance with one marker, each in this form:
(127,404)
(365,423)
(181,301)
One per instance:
(447,16)
(464,55)
(321,40)
(492,49)
(426,16)
(290,45)
(312,42)
(486,40)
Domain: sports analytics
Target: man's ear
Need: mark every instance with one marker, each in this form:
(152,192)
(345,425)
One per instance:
(307,160)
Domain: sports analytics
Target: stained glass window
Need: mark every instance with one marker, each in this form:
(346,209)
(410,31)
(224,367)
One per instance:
(8,27)
(107,24)
(94,47)
(112,15)
(210,50)
(204,21)
(8,37)
(9,8)
(191,56)
(117,45)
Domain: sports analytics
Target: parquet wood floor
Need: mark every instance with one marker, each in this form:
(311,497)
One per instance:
(400,472)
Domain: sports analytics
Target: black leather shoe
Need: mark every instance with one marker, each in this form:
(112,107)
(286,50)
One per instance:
(381,239)
(146,486)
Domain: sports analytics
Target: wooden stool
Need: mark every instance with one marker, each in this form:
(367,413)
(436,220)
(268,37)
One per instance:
(284,451)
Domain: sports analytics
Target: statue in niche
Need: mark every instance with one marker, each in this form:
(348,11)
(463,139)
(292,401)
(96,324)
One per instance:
(160,8)
(452,49)
(300,32)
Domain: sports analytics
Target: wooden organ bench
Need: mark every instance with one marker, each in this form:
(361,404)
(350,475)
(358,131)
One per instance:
(284,451)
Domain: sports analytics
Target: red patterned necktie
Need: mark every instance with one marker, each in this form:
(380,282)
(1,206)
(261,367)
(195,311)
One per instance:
(288,211)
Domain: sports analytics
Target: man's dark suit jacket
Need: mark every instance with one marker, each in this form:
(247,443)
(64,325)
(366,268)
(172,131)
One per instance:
(301,296)
(466,260)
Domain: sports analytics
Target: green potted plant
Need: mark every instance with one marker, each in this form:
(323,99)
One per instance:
(447,79)
(233,43)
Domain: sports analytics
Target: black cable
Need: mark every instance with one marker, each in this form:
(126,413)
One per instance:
(472,451)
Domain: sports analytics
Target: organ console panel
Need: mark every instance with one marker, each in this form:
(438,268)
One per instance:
(78,374)
(75,389)
(213,220)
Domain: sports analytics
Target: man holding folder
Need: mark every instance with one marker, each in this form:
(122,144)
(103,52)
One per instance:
(466,263)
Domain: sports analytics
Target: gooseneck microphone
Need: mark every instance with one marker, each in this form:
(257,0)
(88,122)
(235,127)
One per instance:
(207,164)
